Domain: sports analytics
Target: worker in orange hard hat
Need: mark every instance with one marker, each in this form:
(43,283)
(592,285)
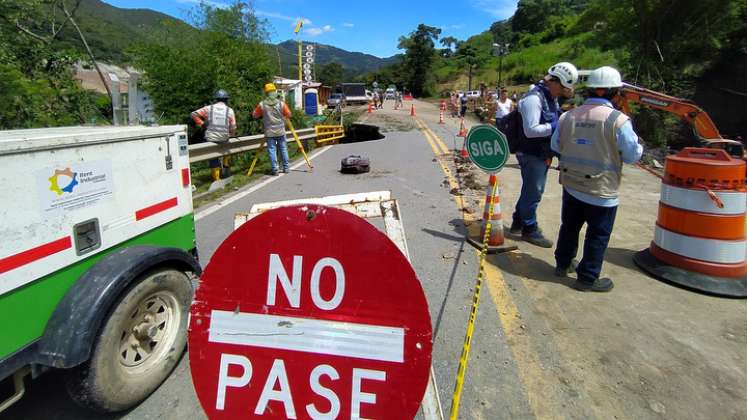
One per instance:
(273,112)
(593,141)
(219,122)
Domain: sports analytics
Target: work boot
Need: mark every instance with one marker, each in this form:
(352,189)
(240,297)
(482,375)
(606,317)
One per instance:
(515,228)
(599,285)
(537,238)
(274,172)
(285,170)
(563,271)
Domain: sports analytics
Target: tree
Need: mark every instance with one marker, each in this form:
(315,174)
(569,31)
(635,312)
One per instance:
(419,54)
(331,74)
(467,54)
(36,84)
(502,32)
(449,43)
(533,15)
(182,71)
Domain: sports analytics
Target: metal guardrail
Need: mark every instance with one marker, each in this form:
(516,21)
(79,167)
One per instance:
(206,151)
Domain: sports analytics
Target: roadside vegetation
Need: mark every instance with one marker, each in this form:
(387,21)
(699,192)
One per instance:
(674,47)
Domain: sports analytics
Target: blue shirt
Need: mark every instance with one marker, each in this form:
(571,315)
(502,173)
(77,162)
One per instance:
(627,143)
(531,110)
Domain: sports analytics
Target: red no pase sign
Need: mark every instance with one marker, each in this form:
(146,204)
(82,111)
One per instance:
(309,312)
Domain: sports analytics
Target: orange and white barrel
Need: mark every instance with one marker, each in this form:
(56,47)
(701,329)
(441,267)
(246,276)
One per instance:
(495,237)
(701,222)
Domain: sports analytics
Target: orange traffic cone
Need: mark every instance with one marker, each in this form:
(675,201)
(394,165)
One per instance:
(463,153)
(412,110)
(369,108)
(441,117)
(462,129)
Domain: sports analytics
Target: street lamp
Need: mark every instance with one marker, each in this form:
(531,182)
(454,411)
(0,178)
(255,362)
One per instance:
(501,50)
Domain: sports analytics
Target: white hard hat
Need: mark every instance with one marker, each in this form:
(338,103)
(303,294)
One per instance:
(604,77)
(566,72)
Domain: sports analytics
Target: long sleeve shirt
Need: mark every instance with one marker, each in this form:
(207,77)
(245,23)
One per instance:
(258,111)
(202,115)
(627,144)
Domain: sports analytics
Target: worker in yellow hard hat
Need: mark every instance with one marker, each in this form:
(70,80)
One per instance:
(273,112)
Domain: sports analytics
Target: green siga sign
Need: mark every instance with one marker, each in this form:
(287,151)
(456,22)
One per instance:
(487,148)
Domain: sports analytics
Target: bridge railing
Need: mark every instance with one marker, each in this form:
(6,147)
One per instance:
(208,150)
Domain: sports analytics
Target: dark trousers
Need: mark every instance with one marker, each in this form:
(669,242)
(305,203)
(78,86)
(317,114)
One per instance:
(599,221)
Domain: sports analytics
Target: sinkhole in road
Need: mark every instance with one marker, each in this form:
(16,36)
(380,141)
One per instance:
(357,133)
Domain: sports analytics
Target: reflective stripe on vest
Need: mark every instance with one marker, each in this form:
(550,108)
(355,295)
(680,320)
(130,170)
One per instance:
(590,161)
(218,123)
(272,118)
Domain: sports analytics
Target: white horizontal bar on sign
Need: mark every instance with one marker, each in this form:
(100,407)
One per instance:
(330,200)
(711,250)
(316,336)
(698,200)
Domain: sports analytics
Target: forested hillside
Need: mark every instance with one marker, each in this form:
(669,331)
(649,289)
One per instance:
(685,48)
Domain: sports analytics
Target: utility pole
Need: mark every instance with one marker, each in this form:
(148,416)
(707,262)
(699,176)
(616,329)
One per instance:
(300,71)
(501,50)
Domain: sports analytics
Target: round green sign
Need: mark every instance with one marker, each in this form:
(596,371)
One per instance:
(487,147)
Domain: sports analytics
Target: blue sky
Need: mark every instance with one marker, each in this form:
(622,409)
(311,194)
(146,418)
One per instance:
(367,26)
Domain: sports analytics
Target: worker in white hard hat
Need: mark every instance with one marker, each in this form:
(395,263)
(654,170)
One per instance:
(593,141)
(273,112)
(539,112)
(219,122)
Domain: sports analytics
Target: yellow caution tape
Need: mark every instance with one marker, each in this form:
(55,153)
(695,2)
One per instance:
(457,396)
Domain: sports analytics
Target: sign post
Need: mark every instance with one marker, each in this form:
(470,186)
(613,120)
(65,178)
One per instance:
(488,149)
(322,318)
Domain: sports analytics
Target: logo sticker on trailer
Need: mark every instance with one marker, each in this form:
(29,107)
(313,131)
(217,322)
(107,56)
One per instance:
(75,186)
(309,312)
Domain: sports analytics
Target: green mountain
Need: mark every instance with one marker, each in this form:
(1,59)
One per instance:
(111,30)
(355,63)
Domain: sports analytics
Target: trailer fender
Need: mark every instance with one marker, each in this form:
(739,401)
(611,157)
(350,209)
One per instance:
(75,323)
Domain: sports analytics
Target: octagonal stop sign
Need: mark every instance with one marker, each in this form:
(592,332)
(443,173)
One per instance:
(309,312)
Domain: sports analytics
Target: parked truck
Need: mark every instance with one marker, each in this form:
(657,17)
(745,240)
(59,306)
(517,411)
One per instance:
(97,259)
(354,93)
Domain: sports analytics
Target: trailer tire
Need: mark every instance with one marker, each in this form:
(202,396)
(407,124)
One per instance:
(139,344)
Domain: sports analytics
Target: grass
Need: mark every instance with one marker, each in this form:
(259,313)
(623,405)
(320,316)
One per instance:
(202,177)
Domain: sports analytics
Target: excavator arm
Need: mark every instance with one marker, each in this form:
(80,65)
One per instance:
(686,110)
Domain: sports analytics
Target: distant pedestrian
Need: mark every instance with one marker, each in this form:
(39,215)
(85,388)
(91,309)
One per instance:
(398,100)
(593,141)
(463,105)
(219,122)
(376,100)
(382,98)
(503,105)
(539,112)
(273,112)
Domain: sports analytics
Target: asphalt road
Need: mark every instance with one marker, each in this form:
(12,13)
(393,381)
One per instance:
(540,349)
(404,163)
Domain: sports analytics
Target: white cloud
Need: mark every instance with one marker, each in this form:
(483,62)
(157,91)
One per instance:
(208,2)
(316,30)
(500,9)
(280,16)
(348,25)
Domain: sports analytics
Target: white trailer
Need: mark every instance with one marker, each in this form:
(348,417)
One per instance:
(97,251)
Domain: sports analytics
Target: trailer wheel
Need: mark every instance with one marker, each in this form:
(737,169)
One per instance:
(139,344)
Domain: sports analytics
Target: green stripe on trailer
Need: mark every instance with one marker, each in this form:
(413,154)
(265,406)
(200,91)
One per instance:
(24,312)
